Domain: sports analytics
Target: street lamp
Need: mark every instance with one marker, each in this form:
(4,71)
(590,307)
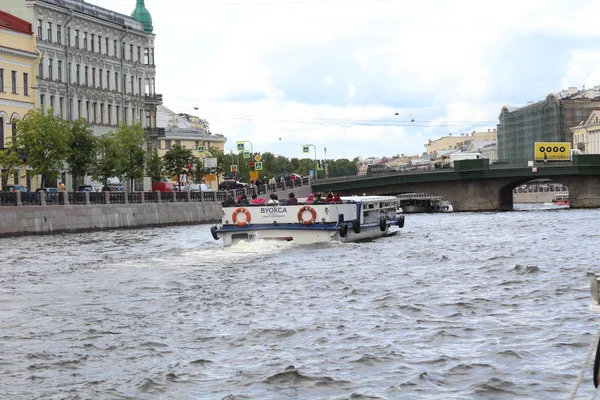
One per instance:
(305,150)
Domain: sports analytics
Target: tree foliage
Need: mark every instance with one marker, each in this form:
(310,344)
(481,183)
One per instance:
(109,158)
(45,140)
(155,167)
(81,158)
(176,160)
(130,139)
(9,162)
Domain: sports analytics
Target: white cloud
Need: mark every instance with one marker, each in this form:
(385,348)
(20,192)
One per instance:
(334,72)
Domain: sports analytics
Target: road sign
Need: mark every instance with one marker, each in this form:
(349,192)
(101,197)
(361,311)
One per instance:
(211,177)
(183,178)
(234,168)
(240,146)
(210,162)
(257,158)
(258,166)
(253,175)
(311,172)
(305,149)
(247,154)
(201,149)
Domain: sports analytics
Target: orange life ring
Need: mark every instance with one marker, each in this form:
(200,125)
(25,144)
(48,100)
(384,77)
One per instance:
(235,215)
(313,215)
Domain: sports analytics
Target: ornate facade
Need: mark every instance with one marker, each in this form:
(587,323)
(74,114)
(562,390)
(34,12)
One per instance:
(18,58)
(95,64)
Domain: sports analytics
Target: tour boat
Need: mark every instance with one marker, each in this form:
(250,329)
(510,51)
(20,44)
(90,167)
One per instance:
(351,219)
(561,199)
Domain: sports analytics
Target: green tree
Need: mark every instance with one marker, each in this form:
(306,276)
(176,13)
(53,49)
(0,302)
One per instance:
(341,167)
(155,167)
(44,138)
(131,141)
(108,158)
(82,149)
(177,159)
(9,162)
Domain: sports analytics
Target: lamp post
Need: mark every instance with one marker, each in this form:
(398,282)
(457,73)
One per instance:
(326,172)
(315,148)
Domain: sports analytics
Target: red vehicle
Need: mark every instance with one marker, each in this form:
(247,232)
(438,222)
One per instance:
(162,187)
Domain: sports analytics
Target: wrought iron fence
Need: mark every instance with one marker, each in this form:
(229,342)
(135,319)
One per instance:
(97,198)
(181,197)
(134,197)
(116,197)
(31,198)
(8,198)
(151,197)
(75,198)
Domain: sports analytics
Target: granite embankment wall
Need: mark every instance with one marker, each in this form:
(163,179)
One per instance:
(22,220)
(15,221)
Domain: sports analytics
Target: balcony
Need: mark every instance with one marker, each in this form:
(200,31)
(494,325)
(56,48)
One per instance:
(155,132)
(153,99)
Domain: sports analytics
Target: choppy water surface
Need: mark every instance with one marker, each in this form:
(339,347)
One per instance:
(463,305)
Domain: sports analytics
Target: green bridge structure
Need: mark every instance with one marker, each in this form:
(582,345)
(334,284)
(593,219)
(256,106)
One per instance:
(475,185)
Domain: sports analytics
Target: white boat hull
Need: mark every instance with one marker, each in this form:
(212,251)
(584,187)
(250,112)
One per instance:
(352,219)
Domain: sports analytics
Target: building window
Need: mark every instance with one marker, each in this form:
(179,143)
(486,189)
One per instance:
(78,74)
(139,54)
(92,42)
(100,77)
(93,77)
(124,83)
(140,86)
(109,112)
(50,75)
(25,83)
(78,109)
(59,76)
(101,113)
(61,106)
(77,38)
(42,101)
(168,144)
(68,36)
(132,83)
(41,67)
(118,114)
(114,48)
(178,142)
(85,75)
(85,40)
(152,56)
(87,110)
(126,115)
(108,80)
(99,44)
(1,85)
(39,33)
(117,81)
(94,106)
(130,52)
(14,81)
(50,31)
(106,46)
(70,108)
(58,34)
(146,56)
(52,102)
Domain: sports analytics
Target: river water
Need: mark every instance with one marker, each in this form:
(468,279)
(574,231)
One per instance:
(455,306)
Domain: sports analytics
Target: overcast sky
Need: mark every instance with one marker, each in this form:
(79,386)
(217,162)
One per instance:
(333,73)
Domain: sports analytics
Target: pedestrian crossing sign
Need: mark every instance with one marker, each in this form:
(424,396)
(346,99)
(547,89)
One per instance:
(240,146)
(201,149)
(258,166)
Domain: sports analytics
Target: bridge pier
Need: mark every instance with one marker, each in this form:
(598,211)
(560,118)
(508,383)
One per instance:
(584,191)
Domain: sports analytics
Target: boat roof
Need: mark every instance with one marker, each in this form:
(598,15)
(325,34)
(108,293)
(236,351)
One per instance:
(367,199)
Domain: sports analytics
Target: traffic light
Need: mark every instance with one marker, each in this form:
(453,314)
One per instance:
(251,165)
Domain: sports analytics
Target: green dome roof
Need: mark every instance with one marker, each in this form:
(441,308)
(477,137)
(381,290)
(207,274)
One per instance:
(141,14)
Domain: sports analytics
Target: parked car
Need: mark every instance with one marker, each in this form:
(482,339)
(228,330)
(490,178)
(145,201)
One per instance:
(85,188)
(231,184)
(113,188)
(48,190)
(15,188)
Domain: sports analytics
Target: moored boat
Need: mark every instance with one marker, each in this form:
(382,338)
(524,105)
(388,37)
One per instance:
(561,199)
(351,219)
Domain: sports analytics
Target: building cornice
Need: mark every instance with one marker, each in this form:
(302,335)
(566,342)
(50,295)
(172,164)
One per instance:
(17,103)
(19,53)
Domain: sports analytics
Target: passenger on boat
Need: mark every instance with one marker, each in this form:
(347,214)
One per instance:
(274,200)
(229,200)
(336,198)
(256,200)
(318,198)
(329,198)
(243,200)
(292,199)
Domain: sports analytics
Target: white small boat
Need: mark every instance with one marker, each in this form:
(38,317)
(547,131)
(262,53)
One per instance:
(351,219)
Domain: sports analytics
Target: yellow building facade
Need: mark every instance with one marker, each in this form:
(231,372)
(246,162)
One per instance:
(586,137)
(18,60)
